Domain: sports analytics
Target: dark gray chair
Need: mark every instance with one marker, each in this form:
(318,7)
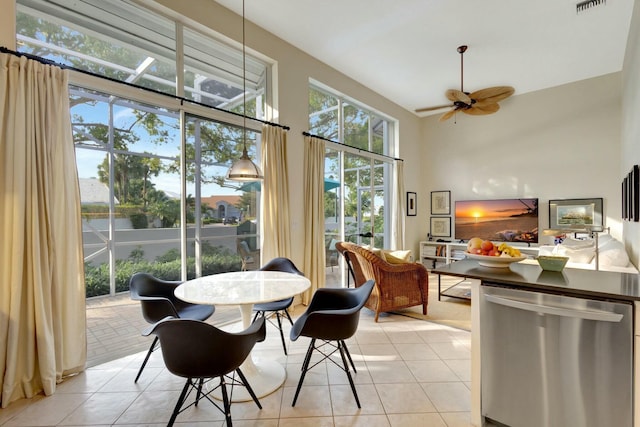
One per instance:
(280,306)
(158,301)
(202,353)
(331,317)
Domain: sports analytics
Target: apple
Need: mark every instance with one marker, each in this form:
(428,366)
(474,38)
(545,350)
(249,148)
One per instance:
(474,243)
(486,246)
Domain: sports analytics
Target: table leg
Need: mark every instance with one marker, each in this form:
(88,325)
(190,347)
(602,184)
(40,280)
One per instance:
(264,375)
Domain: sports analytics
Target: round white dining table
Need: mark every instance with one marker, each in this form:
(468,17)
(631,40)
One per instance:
(245,288)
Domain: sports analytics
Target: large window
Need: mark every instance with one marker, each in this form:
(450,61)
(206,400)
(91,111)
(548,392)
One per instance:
(152,169)
(123,41)
(357,170)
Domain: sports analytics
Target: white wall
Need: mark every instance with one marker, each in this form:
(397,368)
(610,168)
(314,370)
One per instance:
(559,143)
(8,24)
(630,152)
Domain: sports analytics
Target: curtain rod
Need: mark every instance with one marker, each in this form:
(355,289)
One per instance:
(340,143)
(179,98)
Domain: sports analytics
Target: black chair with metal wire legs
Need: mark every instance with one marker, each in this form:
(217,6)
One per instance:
(202,353)
(332,316)
(281,306)
(158,301)
(349,259)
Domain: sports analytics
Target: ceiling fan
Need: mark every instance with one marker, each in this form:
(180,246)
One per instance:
(480,102)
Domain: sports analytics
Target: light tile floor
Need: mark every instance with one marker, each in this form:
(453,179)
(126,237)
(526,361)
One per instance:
(410,373)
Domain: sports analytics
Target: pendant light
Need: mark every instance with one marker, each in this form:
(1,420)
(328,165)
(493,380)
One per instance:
(244,169)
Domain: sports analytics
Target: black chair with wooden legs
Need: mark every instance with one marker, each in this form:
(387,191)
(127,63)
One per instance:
(202,353)
(280,306)
(158,301)
(331,317)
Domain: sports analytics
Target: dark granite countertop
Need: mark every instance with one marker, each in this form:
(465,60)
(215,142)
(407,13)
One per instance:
(574,281)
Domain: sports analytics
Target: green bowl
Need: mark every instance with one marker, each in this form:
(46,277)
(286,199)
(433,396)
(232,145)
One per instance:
(552,263)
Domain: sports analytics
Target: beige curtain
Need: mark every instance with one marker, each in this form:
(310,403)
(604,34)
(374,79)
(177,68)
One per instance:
(42,297)
(314,253)
(399,208)
(275,194)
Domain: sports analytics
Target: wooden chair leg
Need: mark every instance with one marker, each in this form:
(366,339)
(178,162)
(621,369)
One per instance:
(348,355)
(305,368)
(226,402)
(346,369)
(176,409)
(284,344)
(146,359)
(248,387)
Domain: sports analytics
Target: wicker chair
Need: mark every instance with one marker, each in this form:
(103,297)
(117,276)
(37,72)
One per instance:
(397,285)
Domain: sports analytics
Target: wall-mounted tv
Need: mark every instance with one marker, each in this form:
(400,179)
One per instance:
(501,220)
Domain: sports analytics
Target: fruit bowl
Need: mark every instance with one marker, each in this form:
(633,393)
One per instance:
(494,261)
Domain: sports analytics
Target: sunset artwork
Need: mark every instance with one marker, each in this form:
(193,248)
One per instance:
(510,220)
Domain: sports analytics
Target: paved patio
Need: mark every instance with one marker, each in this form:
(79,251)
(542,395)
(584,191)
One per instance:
(114,325)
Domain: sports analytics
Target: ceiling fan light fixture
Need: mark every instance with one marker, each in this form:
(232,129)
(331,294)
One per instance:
(478,103)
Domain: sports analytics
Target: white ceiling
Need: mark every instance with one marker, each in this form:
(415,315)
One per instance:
(406,51)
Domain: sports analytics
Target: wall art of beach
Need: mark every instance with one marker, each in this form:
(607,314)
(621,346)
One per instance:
(510,220)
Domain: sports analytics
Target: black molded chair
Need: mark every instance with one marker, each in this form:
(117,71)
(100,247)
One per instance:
(158,301)
(349,259)
(276,307)
(202,353)
(332,316)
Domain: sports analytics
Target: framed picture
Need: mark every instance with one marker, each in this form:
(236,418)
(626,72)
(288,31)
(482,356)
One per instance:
(625,198)
(440,226)
(631,195)
(412,204)
(635,193)
(575,213)
(440,202)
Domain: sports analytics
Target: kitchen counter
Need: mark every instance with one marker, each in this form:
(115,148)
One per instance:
(587,283)
(601,285)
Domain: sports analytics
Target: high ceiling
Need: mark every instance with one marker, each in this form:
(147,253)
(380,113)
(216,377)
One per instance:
(406,51)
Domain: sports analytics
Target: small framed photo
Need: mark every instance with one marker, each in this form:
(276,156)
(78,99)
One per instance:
(441,203)
(575,213)
(412,204)
(440,226)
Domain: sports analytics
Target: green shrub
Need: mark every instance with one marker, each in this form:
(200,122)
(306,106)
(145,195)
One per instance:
(170,255)
(139,220)
(97,277)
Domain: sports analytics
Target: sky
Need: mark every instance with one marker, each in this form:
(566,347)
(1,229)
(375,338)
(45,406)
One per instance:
(87,160)
(491,208)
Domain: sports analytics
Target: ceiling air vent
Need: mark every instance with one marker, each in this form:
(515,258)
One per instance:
(589,4)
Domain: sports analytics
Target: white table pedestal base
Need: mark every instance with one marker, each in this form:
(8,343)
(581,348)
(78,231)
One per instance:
(265,376)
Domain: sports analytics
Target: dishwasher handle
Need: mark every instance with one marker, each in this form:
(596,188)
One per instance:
(599,315)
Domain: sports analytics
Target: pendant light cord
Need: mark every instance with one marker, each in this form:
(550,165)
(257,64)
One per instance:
(244,84)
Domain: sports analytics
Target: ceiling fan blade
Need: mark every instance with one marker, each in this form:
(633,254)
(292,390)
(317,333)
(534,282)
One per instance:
(439,107)
(457,95)
(492,94)
(448,114)
(480,110)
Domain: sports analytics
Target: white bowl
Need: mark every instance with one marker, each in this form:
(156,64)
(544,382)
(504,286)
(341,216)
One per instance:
(494,261)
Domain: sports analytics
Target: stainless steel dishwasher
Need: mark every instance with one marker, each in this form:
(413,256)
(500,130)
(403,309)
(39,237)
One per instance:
(555,360)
